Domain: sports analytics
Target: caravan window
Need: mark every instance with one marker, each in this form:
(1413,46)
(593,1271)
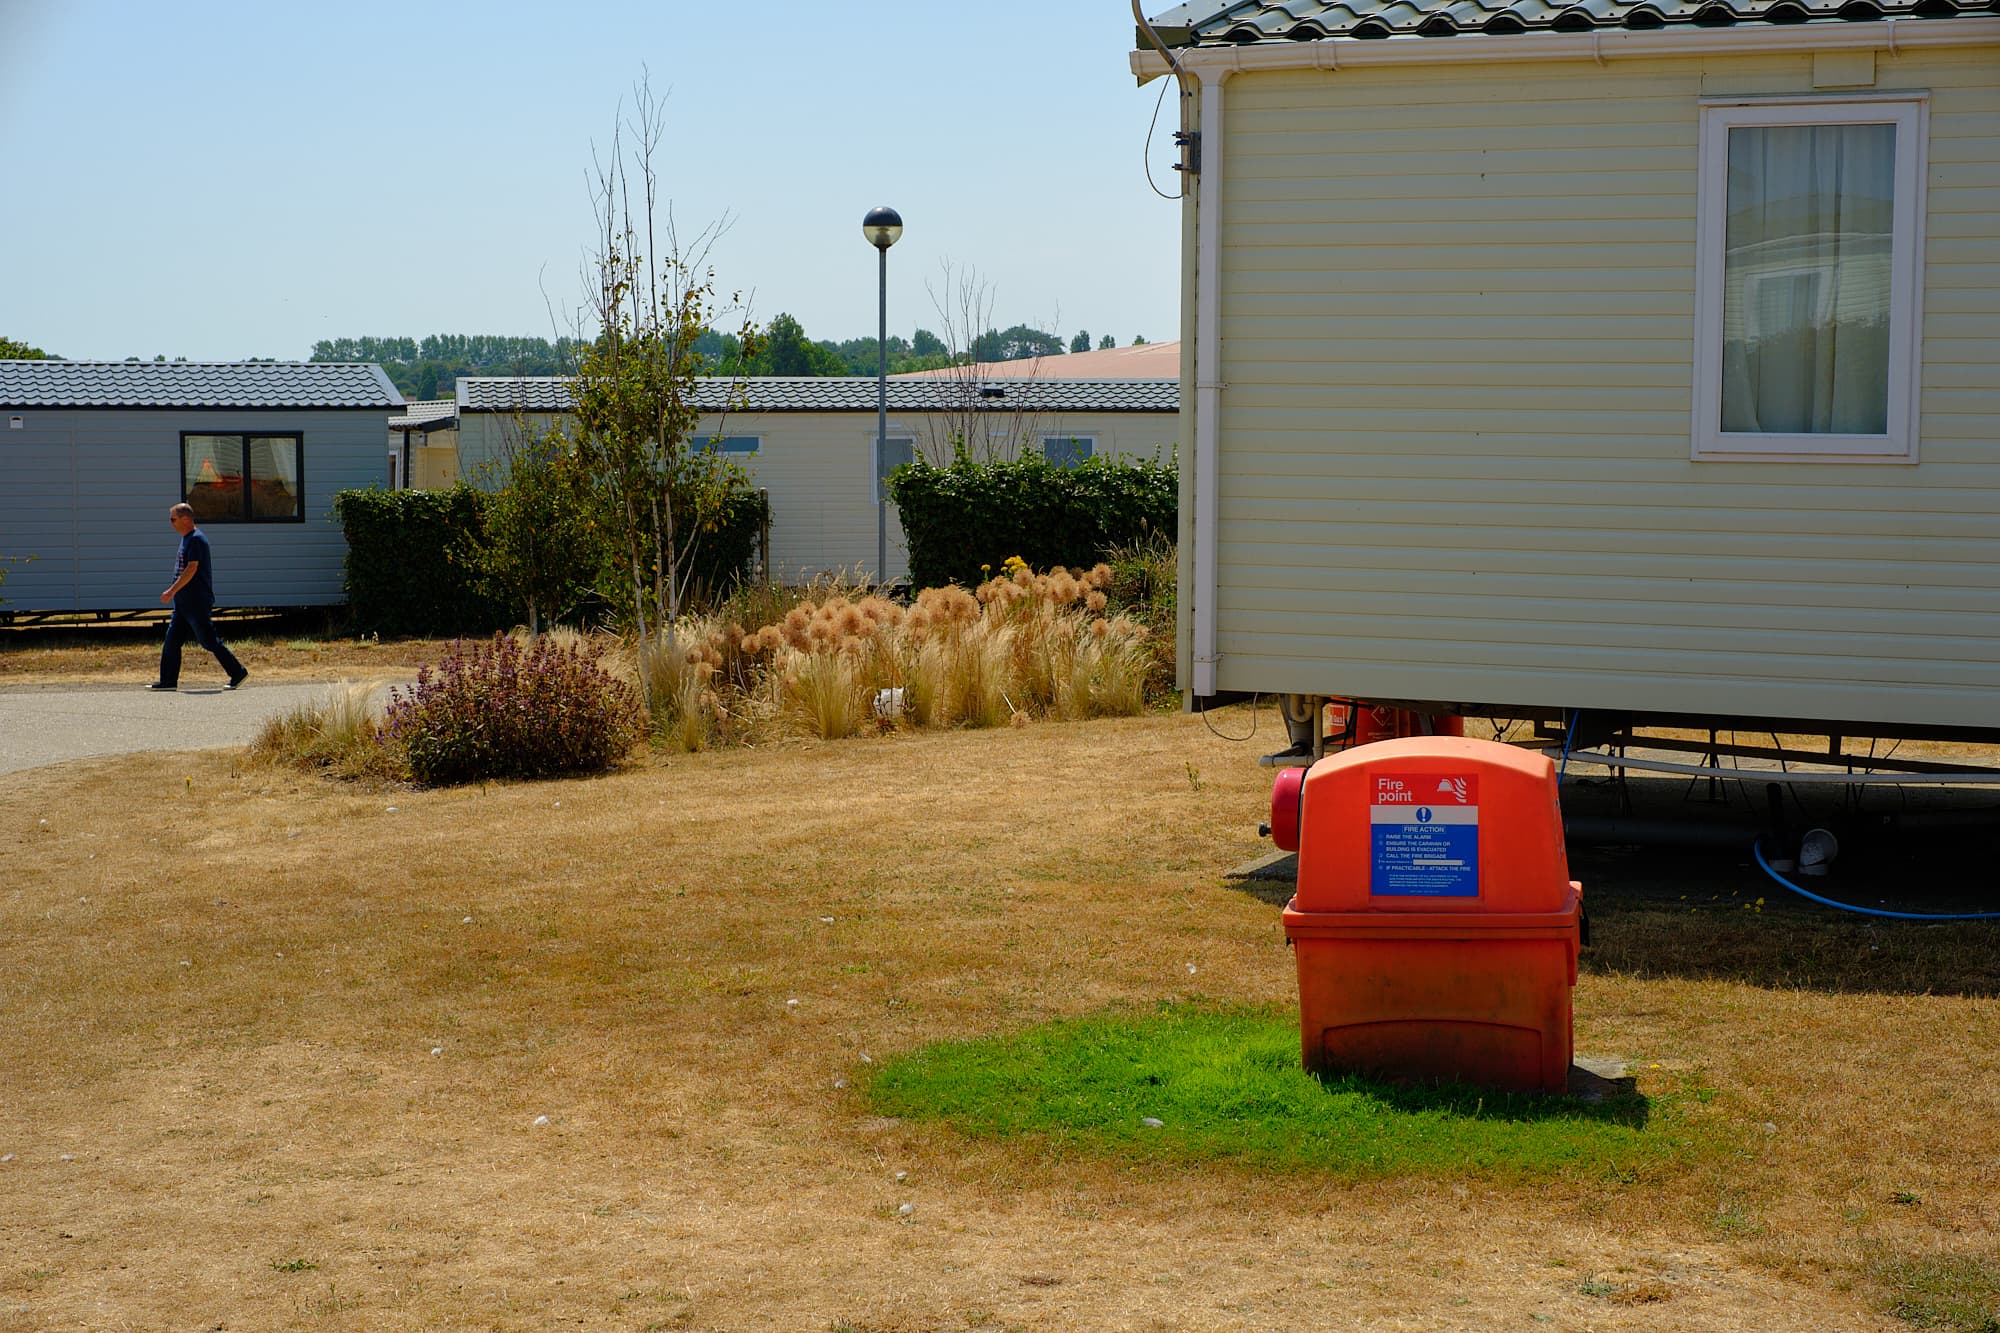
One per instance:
(243,478)
(891,454)
(1808,272)
(1068,450)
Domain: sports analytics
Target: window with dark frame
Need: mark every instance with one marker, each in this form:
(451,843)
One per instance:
(244,478)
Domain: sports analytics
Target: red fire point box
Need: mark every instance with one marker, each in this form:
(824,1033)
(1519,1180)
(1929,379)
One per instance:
(1435,923)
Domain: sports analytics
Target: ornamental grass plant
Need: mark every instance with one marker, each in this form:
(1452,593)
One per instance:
(841,660)
(336,732)
(832,663)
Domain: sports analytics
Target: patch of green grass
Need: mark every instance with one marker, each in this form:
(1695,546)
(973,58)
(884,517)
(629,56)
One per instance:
(1226,1084)
(293,1266)
(1956,1292)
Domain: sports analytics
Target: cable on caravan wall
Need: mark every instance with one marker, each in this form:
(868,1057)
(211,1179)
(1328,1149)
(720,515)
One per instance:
(1223,735)
(1180,81)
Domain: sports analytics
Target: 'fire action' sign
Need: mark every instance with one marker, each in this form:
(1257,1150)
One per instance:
(1424,836)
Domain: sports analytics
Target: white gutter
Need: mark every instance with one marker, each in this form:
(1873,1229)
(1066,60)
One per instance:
(1207,377)
(1596,46)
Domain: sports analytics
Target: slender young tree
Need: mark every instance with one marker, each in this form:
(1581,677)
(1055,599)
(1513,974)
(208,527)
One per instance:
(636,380)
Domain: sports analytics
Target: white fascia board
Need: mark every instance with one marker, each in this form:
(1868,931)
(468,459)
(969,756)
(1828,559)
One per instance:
(1596,46)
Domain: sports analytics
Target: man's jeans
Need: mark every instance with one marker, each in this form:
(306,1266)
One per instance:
(192,622)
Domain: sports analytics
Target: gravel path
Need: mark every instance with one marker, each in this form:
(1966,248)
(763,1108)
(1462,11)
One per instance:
(47,724)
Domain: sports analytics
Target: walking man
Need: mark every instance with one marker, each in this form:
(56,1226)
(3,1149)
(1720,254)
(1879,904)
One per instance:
(193,596)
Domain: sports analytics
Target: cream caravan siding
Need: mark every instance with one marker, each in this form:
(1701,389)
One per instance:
(1458,326)
(819,469)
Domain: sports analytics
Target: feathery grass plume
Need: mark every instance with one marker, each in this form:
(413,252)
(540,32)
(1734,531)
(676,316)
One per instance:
(1120,665)
(978,674)
(941,611)
(824,690)
(677,677)
(337,731)
(1071,667)
(1142,585)
(1039,632)
(560,637)
(926,693)
(883,612)
(688,723)
(1021,645)
(880,658)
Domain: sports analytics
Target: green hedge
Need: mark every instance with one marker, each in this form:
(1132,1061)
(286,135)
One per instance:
(725,553)
(413,562)
(972,514)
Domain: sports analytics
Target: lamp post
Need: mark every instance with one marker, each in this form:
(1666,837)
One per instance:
(882,227)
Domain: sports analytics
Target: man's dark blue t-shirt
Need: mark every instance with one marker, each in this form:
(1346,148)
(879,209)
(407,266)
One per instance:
(200,590)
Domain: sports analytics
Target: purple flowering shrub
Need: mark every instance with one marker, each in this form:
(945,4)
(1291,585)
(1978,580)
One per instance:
(502,710)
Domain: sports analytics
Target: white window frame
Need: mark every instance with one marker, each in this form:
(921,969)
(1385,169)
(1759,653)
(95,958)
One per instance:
(1910,114)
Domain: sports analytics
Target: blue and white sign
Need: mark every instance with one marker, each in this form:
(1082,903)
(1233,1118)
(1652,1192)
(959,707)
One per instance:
(1424,837)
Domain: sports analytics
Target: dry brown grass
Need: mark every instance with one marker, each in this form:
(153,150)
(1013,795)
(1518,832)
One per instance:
(222,987)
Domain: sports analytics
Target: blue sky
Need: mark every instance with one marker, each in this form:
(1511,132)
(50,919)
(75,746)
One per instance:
(217,180)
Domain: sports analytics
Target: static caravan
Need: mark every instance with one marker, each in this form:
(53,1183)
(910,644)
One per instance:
(423,445)
(93,453)
(1637,357)
(812,442)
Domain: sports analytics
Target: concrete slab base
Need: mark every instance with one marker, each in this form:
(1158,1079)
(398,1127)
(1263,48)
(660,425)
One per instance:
(1600,1078)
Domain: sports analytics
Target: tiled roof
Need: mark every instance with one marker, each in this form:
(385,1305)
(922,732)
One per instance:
(852,394)
(254,384)
(426,414)
(1208,23)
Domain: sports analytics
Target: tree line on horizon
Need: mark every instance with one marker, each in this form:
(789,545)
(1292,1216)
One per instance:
(429,367)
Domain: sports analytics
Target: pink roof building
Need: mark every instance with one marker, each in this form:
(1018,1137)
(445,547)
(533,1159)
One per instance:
(1148,361)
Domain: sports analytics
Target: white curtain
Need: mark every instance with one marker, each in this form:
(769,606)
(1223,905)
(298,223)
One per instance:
(1806,279)
(274,476)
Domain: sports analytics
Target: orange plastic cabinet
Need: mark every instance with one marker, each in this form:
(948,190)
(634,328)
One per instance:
(1435,923)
